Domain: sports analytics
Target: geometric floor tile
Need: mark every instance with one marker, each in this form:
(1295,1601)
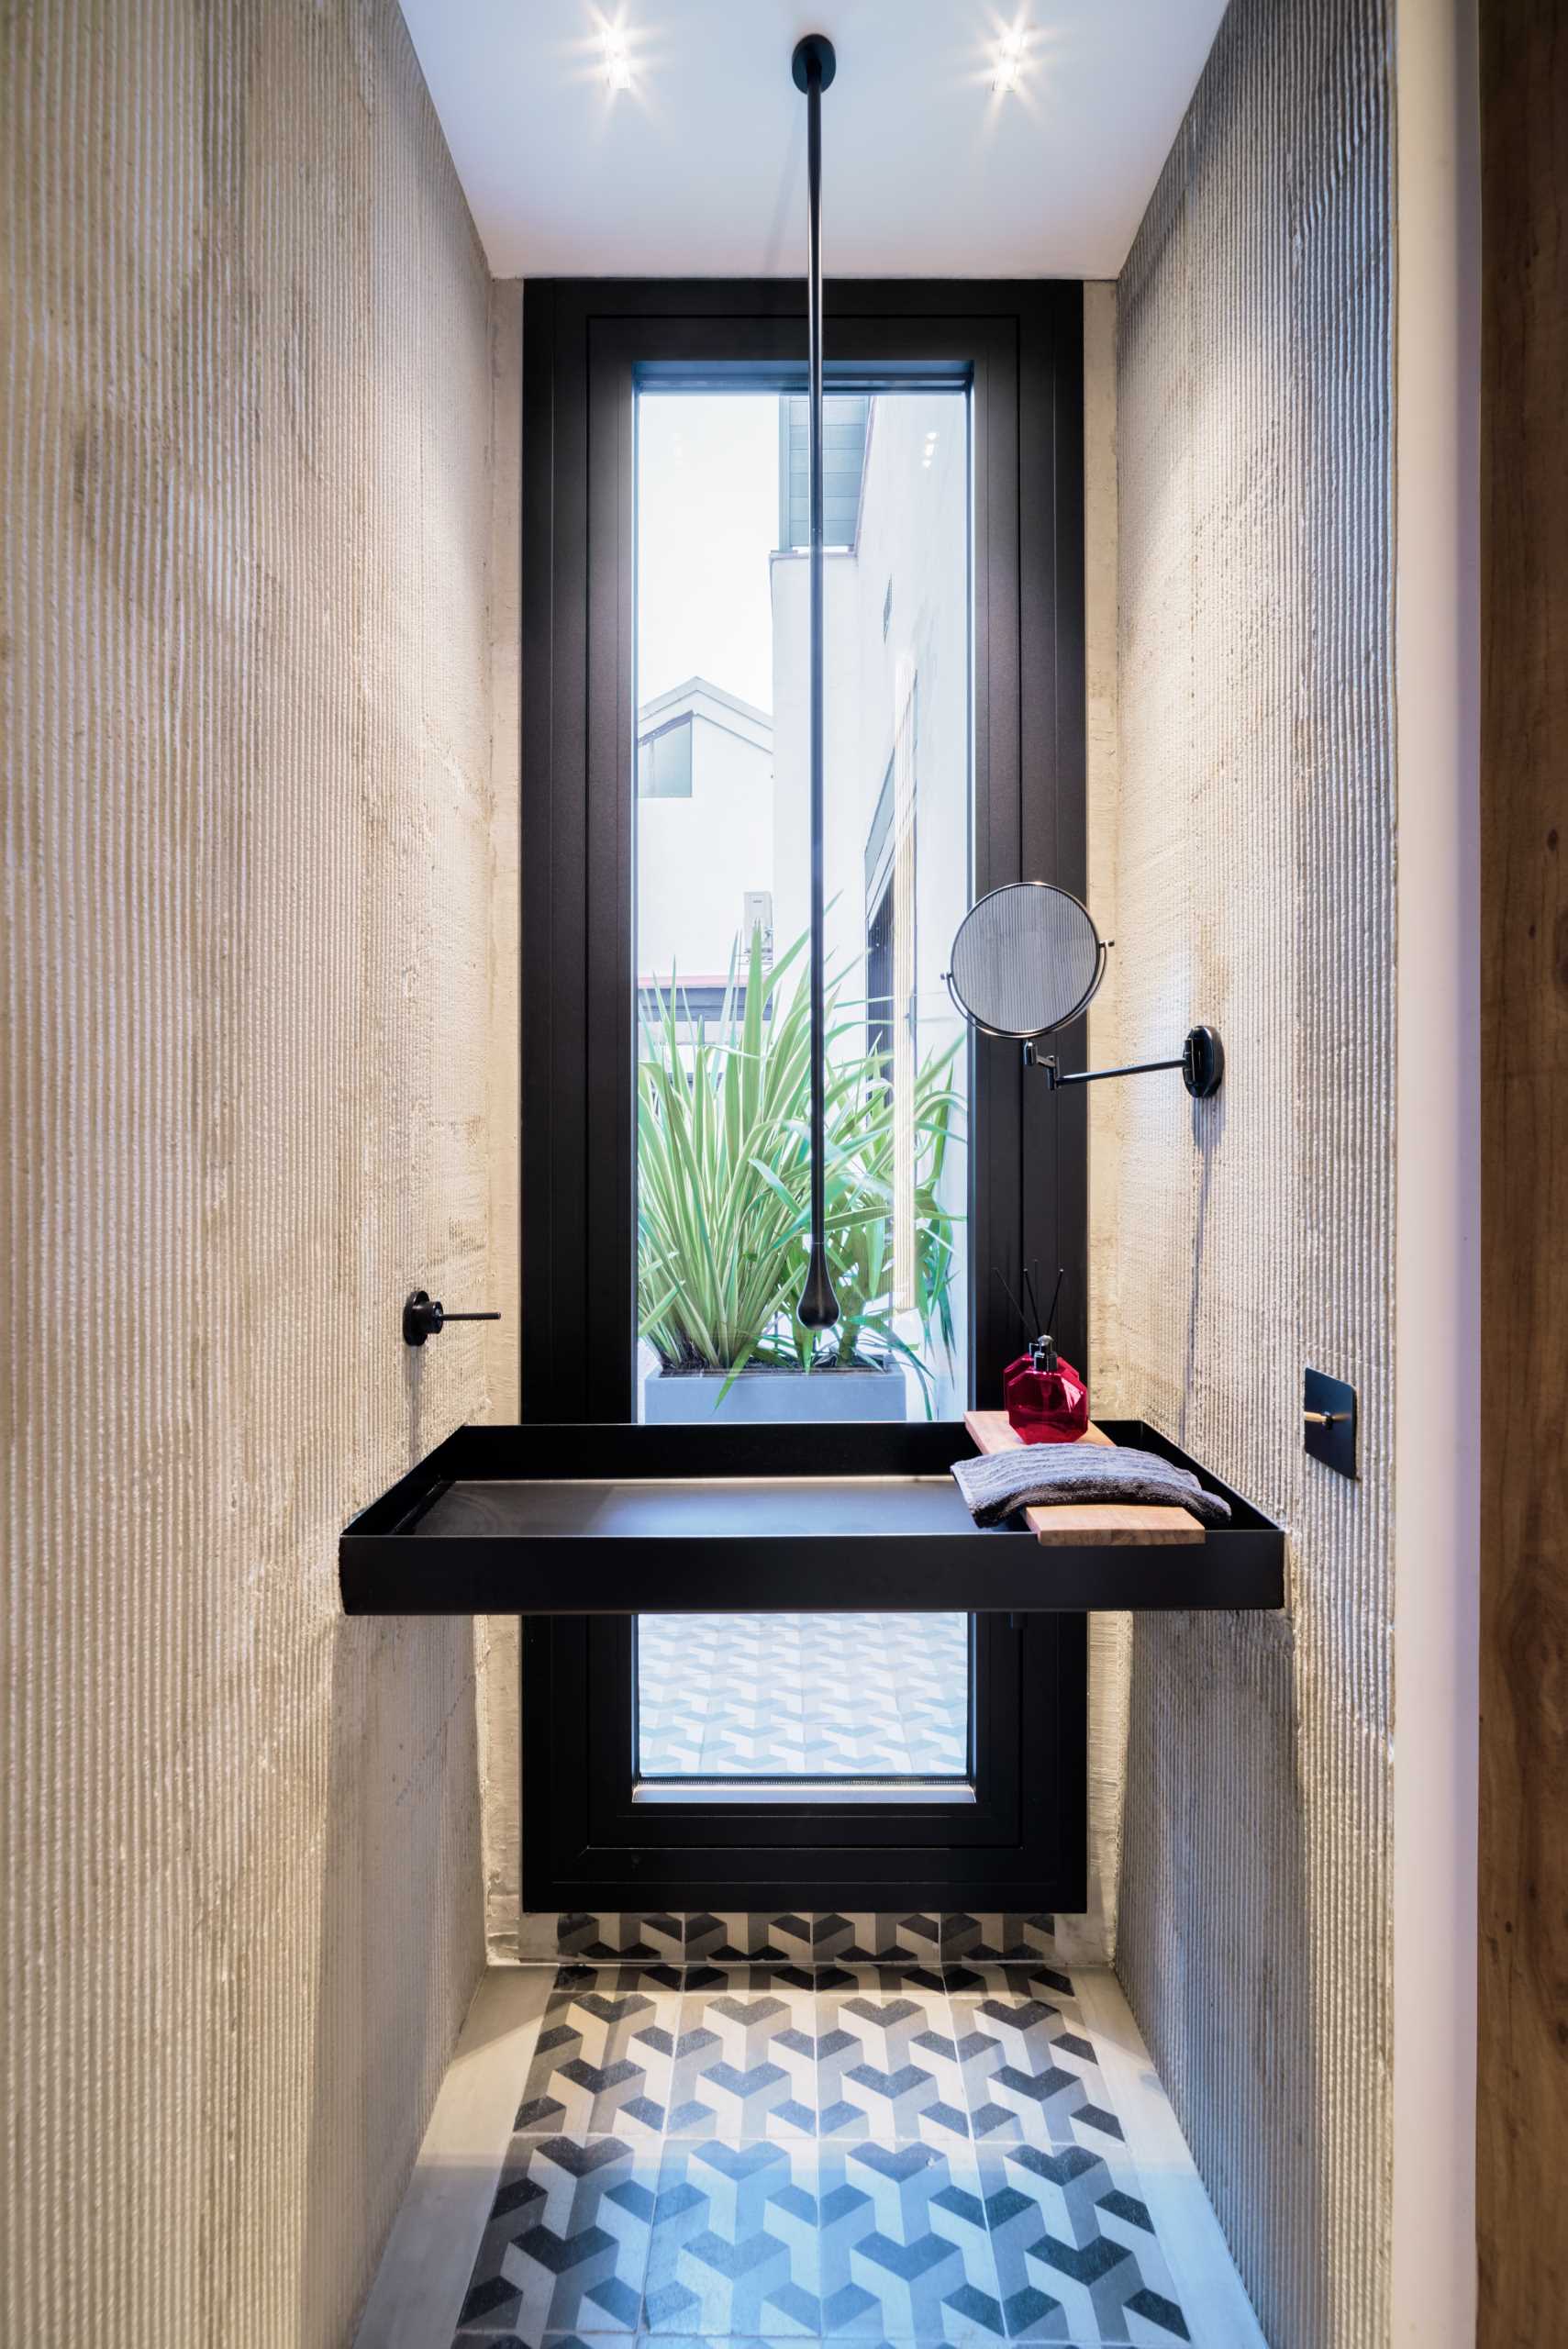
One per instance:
(607,2053)
(1031,2072)
(881,2063)
(802,2241)
(747,2058)
(566,2248)
(906,2248)
(1073,2250)
(980,1945)
(735,2242)
(856,2152)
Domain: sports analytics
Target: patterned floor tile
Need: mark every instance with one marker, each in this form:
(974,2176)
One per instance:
(1076,2254)
(1034,2074)
(906,2250)
(734,2248)
(693,1936)
(874,2073)
(566,2245)
(860,2240)
(747,2055)
(856,1937)
(879,1978)
(757,1975)
(603,2057)
(696,2340)
(1038,1977)
(1001,1993)
(856,2151)
(986,1938)
(482,2334)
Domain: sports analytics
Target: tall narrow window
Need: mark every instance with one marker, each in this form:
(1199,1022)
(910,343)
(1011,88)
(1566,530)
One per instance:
(725,1763)
(722,1151)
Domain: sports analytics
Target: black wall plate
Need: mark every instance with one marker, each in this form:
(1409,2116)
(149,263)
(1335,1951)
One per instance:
(1329,1428)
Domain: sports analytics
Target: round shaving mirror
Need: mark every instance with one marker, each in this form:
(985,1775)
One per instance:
(1027,958)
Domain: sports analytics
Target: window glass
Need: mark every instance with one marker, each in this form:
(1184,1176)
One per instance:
(723,863)
(722,899)
(664,761)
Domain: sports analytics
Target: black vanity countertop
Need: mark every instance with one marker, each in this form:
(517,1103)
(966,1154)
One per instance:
(618,1520)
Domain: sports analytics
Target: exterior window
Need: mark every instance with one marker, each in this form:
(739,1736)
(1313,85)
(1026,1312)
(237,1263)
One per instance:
(846,430)
(664,763)
(722,916)
(722,912)
(755,1762)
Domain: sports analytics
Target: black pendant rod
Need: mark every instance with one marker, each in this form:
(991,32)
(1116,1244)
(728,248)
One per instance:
(813,66)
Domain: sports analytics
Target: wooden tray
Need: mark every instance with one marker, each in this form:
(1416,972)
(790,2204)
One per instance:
(1113,1523)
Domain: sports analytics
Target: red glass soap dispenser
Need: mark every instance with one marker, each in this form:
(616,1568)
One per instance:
(1047,1400)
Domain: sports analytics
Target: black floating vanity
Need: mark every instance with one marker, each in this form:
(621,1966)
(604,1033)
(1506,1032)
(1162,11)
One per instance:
(621,1519)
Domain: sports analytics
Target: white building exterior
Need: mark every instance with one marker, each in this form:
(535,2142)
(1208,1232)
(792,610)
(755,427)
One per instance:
(897,786)
(910,561)
(701,852)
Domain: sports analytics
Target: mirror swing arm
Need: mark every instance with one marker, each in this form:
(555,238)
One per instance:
(1202,1063)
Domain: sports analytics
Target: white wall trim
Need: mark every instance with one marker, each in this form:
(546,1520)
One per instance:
(1437,1530)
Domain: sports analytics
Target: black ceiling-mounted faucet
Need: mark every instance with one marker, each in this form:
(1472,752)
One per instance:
(813,66)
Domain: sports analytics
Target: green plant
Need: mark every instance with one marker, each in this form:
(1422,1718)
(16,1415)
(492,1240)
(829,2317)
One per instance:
(723,1156)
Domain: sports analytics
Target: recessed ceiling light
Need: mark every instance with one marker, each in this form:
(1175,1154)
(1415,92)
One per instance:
(1011,56)
(618,58)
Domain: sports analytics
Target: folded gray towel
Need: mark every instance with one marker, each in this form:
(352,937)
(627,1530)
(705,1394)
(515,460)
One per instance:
(1037,1476)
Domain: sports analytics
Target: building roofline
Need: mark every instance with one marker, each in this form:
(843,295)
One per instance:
(679,697)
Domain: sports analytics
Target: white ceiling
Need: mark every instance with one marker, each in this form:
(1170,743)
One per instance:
(699,169)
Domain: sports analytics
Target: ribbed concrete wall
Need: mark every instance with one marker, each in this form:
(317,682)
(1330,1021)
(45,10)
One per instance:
(246,751)
(1254,862)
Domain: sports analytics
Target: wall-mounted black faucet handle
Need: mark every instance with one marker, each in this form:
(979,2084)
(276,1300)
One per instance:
(424,1316)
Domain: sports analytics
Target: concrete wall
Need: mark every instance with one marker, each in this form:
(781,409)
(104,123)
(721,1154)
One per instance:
(247,929)
(1253,862)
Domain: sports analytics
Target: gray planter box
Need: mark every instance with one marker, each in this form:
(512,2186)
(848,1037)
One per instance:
(687,1398)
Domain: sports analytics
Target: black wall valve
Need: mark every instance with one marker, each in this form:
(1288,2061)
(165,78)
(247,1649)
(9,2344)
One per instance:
(1329,1420)
(424,1316)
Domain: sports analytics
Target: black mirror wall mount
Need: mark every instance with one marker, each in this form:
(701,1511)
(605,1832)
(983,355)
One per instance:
(1202,1063)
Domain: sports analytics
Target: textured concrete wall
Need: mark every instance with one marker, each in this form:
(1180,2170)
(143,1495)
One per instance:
(1254,860)
(246,751)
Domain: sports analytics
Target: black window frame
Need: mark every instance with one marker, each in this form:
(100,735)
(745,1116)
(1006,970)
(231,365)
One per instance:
(586,1844)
